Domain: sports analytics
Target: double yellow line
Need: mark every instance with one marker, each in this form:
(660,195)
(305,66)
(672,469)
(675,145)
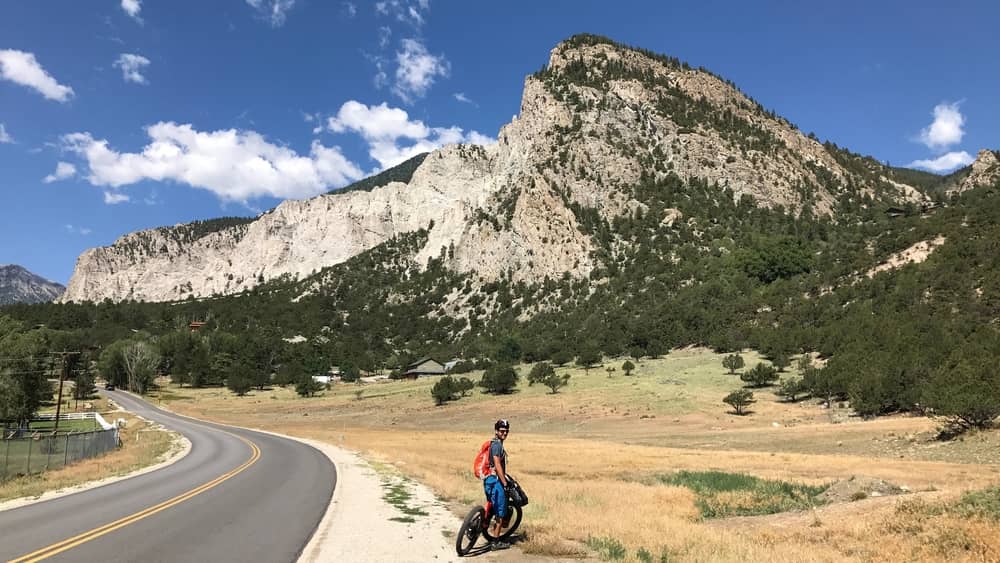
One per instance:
(85,537)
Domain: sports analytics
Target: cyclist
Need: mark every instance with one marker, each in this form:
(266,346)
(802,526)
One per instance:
(495,484)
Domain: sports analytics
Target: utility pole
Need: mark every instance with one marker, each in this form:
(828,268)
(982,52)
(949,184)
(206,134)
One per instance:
(62,377)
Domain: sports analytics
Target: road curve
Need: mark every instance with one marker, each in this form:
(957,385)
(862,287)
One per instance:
(237,496)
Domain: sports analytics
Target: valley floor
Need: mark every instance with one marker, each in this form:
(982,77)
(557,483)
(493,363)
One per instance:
(591,456)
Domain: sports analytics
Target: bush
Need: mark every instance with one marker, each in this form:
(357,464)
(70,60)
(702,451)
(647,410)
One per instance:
(306,386)
(554,382)
(628,367)
(465,366)
(444,390)
(791,388)
(761,375)
(739,400)
(540,372)
(732,362)
(966,392)
(561,357)
(499,379)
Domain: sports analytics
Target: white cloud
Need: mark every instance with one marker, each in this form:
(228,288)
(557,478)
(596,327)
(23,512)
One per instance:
(417,70)
(4,136)
(272,10)
(349,9)
(392,137)
(945,162)
(376,122)
(384,34)
(78,230)
(63,171)
(946,130)
(132,66)
(23,68)
(234,165)
(114,198)
(132,8)
(460,96)
(403,11)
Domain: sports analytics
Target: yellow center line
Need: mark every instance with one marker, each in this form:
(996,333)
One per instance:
(74,541)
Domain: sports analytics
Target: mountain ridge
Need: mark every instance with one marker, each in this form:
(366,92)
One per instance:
(593,123)
(19,285)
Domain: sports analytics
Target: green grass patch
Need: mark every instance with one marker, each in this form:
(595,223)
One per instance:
(399,496)
(721,494)
(982,504)
(85,425)
(609,549)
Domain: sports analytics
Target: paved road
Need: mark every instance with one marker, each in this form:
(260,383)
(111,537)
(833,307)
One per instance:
(237,496)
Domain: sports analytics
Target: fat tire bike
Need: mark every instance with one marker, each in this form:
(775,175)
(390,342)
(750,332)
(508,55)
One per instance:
(478,523)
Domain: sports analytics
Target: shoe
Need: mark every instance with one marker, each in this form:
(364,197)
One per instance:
(499,545)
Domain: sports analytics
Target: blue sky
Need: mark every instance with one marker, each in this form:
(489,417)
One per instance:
(119,115)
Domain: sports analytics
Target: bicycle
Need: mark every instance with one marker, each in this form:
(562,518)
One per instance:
(479,521)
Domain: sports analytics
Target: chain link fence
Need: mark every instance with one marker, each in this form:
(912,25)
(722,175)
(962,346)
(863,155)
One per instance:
(24,452)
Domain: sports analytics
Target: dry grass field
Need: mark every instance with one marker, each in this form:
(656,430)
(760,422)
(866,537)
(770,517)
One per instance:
(143,444)
(594,457)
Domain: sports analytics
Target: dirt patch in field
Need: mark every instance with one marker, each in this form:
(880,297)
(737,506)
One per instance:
(860,488)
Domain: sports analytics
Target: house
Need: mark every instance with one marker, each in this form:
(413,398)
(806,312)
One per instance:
(195,325)
(423,366)
(451,363)
(324,379)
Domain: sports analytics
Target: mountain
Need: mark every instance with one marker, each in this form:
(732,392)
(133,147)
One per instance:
(599,127)
(18,285)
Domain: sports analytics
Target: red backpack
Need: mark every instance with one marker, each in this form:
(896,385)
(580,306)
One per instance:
(481,465)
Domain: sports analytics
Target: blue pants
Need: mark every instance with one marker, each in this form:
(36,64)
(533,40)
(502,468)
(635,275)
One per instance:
(496,494)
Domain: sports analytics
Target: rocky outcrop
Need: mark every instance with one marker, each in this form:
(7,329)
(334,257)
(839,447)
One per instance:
(592,125)
(985,171)
(18,285)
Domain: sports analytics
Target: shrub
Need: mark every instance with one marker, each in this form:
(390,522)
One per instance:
(540,372)
(561,357)
(732,362)
(554,382)
(444,390)
(499,379)
(761,375)
(306,386)
(966,393)
(791,388)
(739,400)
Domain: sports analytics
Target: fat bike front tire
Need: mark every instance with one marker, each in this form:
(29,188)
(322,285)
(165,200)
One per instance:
(472,528)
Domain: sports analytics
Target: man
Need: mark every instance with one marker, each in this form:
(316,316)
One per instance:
(495,484)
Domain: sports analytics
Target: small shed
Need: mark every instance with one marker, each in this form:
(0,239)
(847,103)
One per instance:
(424,366)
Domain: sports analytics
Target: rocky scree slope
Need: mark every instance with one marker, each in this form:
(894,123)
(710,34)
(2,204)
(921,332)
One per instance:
(595,122)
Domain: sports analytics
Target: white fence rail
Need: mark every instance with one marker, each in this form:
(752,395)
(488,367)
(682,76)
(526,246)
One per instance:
(78,416)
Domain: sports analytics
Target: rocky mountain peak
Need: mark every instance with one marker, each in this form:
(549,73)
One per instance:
(18,285)
(597,122)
